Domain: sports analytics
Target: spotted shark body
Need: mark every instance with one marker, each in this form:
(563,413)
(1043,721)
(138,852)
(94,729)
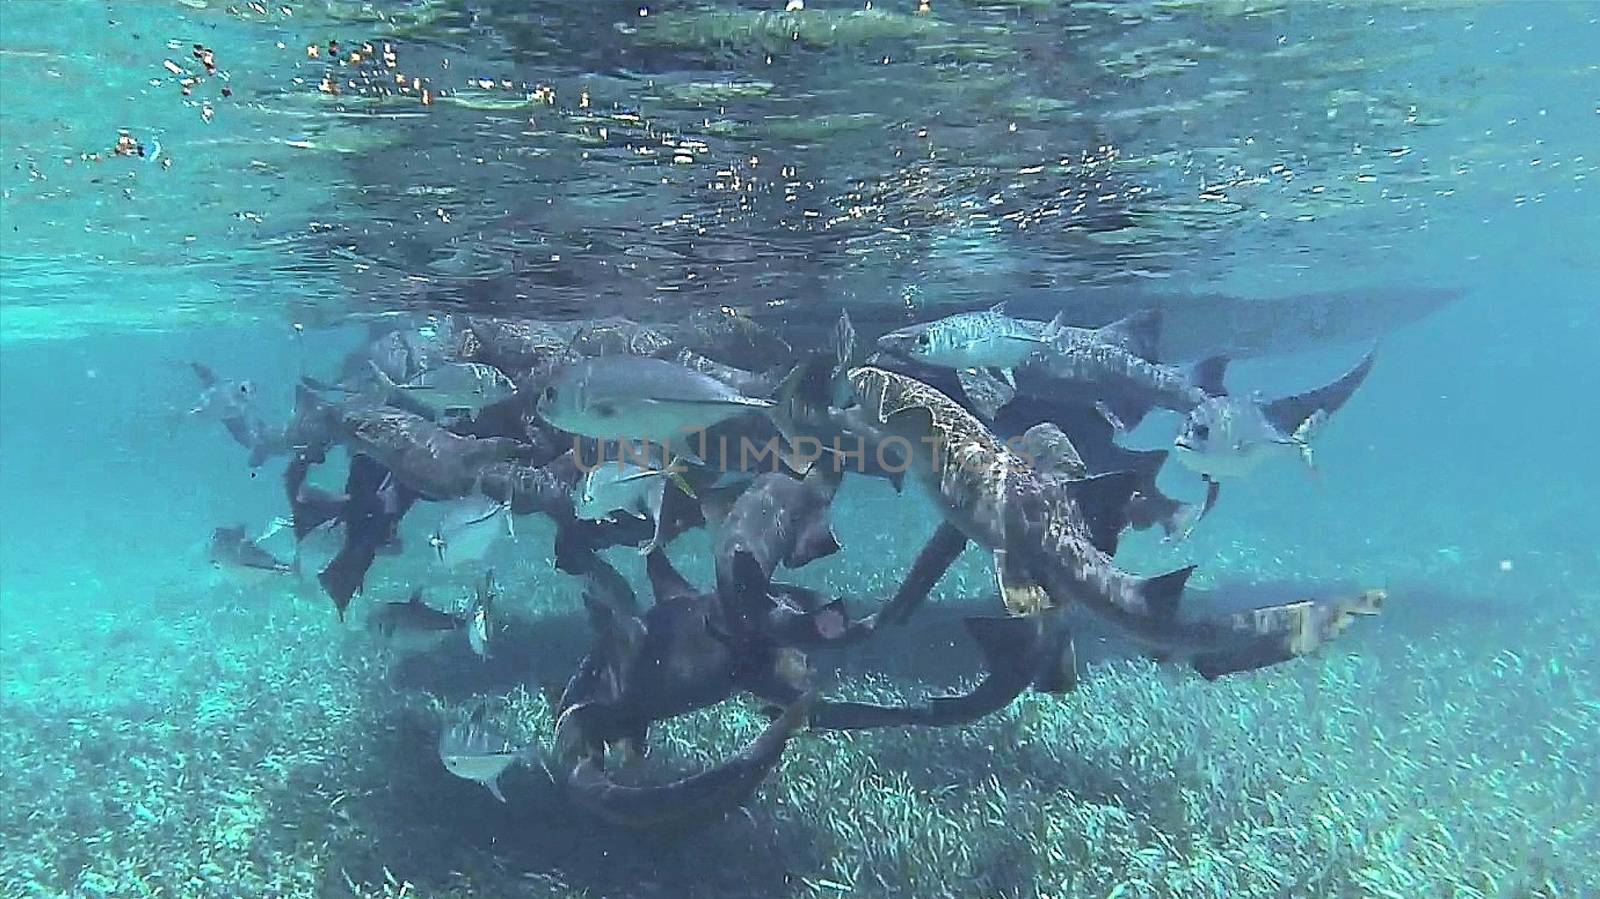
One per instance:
(1052,538)
(968,471)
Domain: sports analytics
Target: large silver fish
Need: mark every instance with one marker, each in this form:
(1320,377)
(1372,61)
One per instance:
(1229,437)
(242,558)
(414,626)
(632,398)
(971,340)
(475,750)
(454,385)
(468,528)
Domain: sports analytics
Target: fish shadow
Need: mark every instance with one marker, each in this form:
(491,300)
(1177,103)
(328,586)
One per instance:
(535,652)
(439,831)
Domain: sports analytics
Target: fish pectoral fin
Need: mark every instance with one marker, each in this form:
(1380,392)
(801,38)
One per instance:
(1019,593)
(493,786)
(741,402)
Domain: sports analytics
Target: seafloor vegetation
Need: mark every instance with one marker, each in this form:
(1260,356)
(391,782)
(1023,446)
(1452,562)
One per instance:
(195,740)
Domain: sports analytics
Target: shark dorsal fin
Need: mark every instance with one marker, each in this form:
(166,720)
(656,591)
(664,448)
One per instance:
(1162,592)
(1102,500)
(1138,333)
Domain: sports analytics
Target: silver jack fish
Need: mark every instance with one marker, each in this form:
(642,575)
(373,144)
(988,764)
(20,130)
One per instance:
(450,385)
(414,626)
(468,528)
(621,487)
(233,552)
(477,751)
(1228,437)
(632,398)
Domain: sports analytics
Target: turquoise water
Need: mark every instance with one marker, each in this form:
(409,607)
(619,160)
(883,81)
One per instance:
(167,731)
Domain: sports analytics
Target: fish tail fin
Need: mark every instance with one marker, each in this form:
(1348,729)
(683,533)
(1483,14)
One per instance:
(1302,413)
(343,578)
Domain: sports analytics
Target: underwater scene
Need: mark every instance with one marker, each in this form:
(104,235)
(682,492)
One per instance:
(754,448)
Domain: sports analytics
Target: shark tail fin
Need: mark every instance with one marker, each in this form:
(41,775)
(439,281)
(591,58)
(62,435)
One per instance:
(1058,662)
(1162,592)
(343,578)
(1207,375)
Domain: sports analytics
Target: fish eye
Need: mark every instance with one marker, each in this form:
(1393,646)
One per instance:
(550,394)
(605,410)
(1201,431)
(924,339)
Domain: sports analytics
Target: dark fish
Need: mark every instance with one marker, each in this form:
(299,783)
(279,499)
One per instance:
(1013,652)
(705,796)
(370,510)
(414,625)
(777,520)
